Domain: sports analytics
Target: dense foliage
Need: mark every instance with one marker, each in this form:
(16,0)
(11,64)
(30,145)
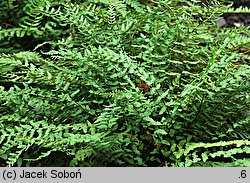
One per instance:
(122,83)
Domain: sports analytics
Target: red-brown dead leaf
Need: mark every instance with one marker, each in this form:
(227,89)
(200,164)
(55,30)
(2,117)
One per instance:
(242,49)
(143,85)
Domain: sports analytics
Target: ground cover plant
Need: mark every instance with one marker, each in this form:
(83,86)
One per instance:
(122,83)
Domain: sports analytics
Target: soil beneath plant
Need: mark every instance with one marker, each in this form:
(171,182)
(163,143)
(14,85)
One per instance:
(236,19)
(229,19)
